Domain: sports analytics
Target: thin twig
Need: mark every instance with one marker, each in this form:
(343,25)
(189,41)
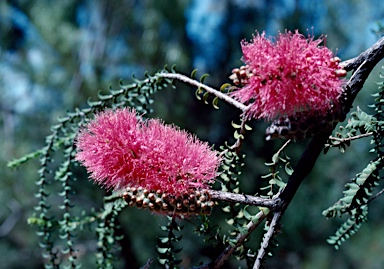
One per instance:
(148,264)
(237,145)
(224,256)
(377,195)
(350,138)
(267,239)
(211,90)
(283,147)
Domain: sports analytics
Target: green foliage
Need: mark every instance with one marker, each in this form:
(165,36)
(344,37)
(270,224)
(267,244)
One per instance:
(280,162)
(203,95)
(349,227)
(360,123)
(359,192)
(165,245)
(106,232)
(54,226)
(238,215)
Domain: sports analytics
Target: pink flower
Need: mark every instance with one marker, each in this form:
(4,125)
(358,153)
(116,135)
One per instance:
(122,151)
(287,74)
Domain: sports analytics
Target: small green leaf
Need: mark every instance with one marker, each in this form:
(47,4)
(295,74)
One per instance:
(205,97)
(275,157)
(225,86)
(237,135)
(247,127)
(243,230)
(198,92)
(215,102)
(163,250)
(236,126)
(288,169)
(193,74)
(203,77)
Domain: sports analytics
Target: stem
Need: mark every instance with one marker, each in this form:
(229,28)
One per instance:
(266,240)
(211,90)
(350,138)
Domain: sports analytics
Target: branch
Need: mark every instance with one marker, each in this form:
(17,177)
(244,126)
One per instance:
(373,53)
(350,138)
(243,199)
(211,90)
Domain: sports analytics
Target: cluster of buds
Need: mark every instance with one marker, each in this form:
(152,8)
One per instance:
(193,202)
(241,76)
(339,70)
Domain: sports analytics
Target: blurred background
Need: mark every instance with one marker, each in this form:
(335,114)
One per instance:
(56,54)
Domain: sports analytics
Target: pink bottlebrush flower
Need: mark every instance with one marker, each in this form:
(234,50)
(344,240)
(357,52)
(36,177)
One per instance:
(287,75)
(122,151)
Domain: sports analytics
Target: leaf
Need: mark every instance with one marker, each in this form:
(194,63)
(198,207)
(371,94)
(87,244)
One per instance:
(198,92)
(225,86)
(243,230)
(247,127)
(288,169)
(275,157)
(205,97)
(215,102)
(246,214)
(236,126)
(203,77)
(237,135)
(193,74)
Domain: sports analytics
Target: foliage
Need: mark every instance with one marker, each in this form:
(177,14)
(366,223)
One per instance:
(360,191)
(62,140)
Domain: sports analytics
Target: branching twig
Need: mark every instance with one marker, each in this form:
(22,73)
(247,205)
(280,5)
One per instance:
(350,138)
(211,90)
